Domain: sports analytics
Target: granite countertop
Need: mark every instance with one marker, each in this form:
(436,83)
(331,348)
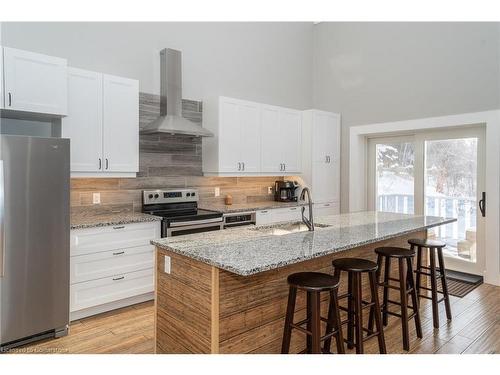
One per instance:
(91,219)
(243,207)
(247,251)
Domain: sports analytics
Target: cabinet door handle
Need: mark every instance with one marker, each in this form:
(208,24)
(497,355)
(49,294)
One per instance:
(239,166)
(119,227)
(118,278)
(284,166)
(10,99)
(119,253)
(243,165)
(281,166)
(107,163)
(100,164)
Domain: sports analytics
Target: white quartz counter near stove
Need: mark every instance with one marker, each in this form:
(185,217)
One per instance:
(246,251)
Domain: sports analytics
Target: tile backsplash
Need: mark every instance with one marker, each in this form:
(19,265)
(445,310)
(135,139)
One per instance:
(165,161)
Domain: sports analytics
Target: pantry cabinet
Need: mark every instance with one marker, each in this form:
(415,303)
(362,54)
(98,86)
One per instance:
(321,156)
(34,83)
(251,139)
(281,140)
(102,122)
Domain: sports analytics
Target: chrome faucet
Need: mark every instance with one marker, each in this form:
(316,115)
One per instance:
(308,222)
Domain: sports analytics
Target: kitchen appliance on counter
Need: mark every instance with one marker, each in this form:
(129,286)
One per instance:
(180,212)
(284,191)
(34,239)
(236,219)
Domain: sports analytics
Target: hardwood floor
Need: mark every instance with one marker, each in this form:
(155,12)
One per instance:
(475,328)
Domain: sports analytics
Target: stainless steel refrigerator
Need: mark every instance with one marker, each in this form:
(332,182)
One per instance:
(34,239)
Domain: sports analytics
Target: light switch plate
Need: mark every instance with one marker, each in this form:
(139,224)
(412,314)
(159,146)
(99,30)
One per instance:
(217,191)
(166,267)
(96,198)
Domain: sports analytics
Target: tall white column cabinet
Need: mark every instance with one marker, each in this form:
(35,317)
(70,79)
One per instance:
(321,159)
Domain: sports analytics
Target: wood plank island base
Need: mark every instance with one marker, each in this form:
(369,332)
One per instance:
(206,304)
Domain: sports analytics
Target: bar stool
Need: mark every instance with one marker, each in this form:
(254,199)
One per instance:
(406,286)
(313,283)
(434,273)
(355,267)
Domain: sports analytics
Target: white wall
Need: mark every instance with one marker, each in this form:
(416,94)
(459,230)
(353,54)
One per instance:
(267,62)
(379,72)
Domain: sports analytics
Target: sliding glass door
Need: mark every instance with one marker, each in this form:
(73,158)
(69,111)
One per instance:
(438,174)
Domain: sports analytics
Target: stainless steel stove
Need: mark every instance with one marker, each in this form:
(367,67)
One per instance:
(180,212)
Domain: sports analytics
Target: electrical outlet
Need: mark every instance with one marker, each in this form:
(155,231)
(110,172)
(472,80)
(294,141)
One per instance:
(217,191)
(96,198)
(269,190)
(166,267)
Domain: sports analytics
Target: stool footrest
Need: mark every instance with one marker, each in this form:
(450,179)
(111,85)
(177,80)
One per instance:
(429,289)
(438,274)
(397,303)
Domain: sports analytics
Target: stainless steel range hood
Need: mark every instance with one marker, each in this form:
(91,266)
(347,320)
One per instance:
(171,120)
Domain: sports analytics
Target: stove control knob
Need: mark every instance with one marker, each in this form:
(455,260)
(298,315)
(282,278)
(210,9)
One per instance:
(156,196)
(192,194)
(188,194)
(150,196)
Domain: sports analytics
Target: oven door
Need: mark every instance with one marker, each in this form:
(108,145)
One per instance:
(171,229)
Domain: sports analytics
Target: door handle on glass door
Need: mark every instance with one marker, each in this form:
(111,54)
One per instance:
(482,204)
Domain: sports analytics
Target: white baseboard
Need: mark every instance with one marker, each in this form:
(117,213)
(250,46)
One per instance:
(75,315)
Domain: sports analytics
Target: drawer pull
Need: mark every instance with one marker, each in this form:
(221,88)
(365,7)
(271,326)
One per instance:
(119,253)
(263,212)
(327,205)
(293,209)
(118,278)
(120,227)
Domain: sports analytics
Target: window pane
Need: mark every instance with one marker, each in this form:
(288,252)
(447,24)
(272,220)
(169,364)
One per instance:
(451,190)
(395,177)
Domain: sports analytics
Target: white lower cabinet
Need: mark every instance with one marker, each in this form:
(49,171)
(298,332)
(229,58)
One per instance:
(111,267)
(326,209)
(111,289)
(278,215)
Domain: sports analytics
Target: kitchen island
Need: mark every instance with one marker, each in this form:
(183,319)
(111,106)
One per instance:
(226,291)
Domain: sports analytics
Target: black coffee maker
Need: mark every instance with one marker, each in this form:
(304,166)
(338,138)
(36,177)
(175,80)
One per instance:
(284,191)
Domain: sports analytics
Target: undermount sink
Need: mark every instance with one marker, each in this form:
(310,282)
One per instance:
(286,228)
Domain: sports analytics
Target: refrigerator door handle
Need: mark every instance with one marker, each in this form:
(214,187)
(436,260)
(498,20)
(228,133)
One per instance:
(2,232)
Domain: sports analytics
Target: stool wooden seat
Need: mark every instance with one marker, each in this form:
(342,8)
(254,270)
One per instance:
(435,248)
(313,283)
(355,268)
(406,287)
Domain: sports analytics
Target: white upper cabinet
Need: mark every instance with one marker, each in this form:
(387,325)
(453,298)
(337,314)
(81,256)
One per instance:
(121,124)
(272,158)
(281,140)
(83,125)
(103,124)
(251,138)
(235,149)
(291,128)
(34,82)
(321,155)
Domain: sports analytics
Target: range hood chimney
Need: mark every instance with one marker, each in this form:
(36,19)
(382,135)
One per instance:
(171,120)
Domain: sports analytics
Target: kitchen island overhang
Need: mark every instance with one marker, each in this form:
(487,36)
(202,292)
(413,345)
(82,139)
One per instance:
(226,291)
